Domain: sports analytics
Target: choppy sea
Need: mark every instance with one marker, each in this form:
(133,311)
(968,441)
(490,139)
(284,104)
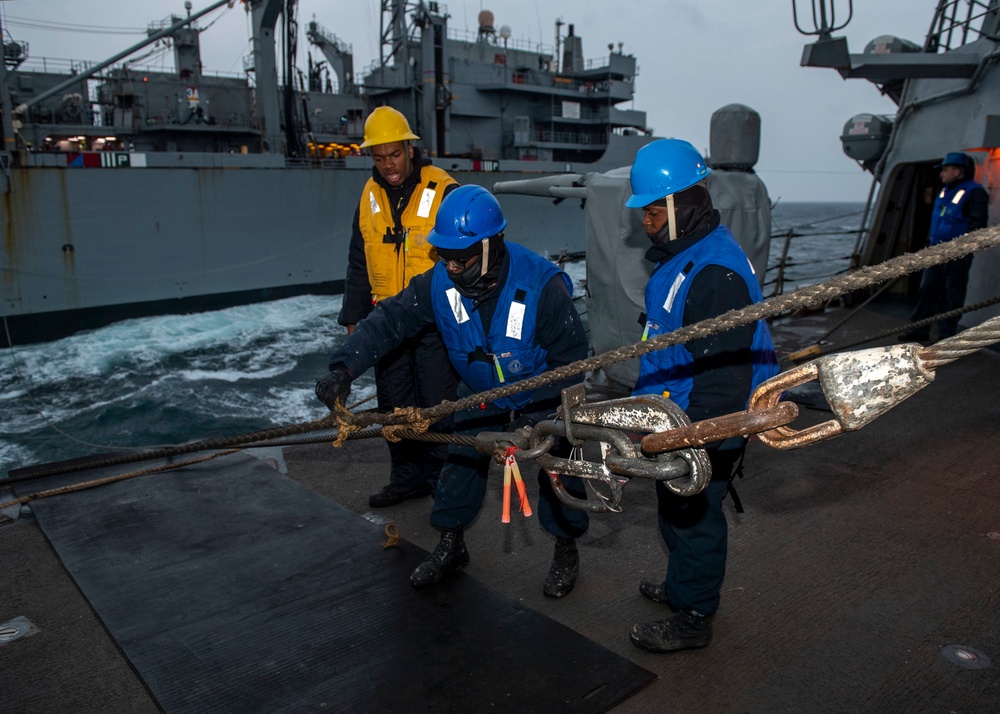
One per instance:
(172,379)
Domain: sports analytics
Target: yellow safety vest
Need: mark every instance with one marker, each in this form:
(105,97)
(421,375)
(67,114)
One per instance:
(389,270)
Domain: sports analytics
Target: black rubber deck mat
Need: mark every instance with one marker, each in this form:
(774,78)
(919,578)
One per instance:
(230,587)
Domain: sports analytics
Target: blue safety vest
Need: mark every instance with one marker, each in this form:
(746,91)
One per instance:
(670,371)
(508,353)
(948,220)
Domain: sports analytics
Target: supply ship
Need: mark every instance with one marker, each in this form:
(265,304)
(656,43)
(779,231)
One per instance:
(131,192)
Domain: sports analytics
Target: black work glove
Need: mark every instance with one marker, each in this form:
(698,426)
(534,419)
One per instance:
(333,387)
(522,420)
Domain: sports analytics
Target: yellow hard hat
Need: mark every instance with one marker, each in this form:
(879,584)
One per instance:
(386,125)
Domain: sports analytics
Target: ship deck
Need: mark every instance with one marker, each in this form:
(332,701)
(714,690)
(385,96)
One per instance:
(862,576)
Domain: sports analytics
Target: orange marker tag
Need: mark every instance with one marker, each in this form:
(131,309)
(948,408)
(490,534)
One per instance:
(505,515)
(521,490)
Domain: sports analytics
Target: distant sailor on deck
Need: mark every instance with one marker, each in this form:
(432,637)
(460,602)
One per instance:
(701,272)
(505,314)
(388,248)
(962,206)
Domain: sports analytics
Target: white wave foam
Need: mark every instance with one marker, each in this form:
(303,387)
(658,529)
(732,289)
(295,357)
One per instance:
(232,376)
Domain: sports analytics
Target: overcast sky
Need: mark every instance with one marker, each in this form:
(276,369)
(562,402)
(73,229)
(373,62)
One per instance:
(694,57)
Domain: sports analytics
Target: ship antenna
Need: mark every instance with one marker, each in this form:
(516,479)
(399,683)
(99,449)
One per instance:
(824,15)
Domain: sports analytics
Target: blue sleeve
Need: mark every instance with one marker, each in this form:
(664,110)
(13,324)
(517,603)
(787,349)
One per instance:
(392,321)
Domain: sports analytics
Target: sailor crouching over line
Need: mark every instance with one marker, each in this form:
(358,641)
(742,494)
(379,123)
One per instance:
(505,314)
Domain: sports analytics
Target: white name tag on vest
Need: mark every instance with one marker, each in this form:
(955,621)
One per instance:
(457,308)
(375,208)
(515,320)
(668,304)
(426,201)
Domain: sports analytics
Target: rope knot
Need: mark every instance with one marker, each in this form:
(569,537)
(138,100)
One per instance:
(345,425)
(414,422)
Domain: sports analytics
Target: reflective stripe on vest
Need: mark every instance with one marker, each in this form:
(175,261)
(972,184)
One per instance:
(394,254)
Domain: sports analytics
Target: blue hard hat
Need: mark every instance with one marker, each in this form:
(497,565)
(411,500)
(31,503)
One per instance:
(467,215)
(957,158)
(664,167)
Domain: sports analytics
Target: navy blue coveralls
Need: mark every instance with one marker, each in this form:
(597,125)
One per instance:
(698,277)
(557,332)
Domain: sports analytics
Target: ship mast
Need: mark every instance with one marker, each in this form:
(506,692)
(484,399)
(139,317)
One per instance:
(293,140)
(264,17)
(393,34)
(7,128)
(425,70)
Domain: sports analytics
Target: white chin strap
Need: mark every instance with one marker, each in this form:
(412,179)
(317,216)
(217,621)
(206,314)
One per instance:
(485,260)
(671,217)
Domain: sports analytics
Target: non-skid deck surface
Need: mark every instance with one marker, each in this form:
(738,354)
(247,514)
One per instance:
(239,590)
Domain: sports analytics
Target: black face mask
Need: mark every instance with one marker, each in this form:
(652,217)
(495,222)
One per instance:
(467,281)
(692,212)
(472,282)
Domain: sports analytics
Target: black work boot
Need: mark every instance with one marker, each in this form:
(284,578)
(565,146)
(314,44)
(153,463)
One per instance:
(392,494)
(449,555)
(657,592)
(684,631)
(565,568)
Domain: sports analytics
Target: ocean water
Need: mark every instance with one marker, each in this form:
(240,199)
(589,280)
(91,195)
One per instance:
(816,240)
(172,379)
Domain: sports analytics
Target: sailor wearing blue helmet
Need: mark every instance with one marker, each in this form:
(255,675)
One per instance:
(701,272)
(962,206)
(505,314)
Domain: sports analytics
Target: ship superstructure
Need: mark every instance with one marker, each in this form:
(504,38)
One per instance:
(947,90)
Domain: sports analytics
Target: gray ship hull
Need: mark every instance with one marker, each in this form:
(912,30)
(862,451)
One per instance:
(84,247)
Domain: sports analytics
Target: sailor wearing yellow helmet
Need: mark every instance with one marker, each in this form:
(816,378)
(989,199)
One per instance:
(388,248)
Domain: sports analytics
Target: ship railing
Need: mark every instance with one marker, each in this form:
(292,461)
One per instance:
(305,162)
(812,261)
(54,65)
(956,23)
(521,45)
(604,115)
(500,77)
(57,65)
(570,137)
